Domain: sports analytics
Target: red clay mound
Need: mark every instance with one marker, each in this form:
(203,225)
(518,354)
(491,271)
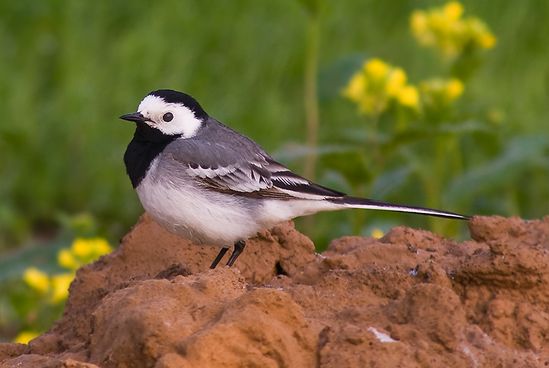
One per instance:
(410,299)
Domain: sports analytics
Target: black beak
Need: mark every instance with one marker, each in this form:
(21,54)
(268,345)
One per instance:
(134,116)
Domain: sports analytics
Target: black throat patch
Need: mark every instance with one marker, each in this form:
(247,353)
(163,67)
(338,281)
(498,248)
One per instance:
(147,143)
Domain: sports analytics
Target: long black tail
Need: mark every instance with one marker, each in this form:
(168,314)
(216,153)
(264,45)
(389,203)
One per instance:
(355,202)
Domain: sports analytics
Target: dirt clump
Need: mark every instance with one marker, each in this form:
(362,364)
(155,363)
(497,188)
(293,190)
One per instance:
(409,299)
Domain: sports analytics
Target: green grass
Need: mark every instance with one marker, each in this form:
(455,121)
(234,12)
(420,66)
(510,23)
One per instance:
(70,68)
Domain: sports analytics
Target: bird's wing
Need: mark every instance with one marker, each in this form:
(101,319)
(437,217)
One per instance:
(286,181)
(253,173)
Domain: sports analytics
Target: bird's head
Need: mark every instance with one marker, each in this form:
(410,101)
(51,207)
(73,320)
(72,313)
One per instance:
(169,113)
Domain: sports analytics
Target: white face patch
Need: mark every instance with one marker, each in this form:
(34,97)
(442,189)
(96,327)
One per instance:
(184,121)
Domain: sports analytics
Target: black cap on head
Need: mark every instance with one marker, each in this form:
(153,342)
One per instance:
(171,96)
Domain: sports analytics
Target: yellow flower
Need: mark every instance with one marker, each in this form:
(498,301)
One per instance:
(25,336)
(100,246)
(376,69)
(80,247)
(377,233)
(480,34)
(67,260)
(372,104)
(438,93)
(446,29)
(418,22)
(487,40)
(92,247)
(409,96)
(495,116)
(395,82)
(356,87)
(36,279)
(453,10)
(377,85)
(454,89)
(60,286)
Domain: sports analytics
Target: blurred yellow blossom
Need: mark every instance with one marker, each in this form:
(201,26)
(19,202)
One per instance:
(80,247)
(481,34)
(377,233)
(395,82)
(91,246)
(408,96)
(453,10)
(356,86)
(446,29)
(66,259)
(36,279)
(454,89)
(487,40)
(60,286)
(82,251)
(53,289)
(377,84)
(376,69)
(495,116)
(86,250)
(438,92)
(56,286)
(418,23)
(25,336)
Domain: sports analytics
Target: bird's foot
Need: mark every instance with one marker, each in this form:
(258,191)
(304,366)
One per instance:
(238,248)
(219,257)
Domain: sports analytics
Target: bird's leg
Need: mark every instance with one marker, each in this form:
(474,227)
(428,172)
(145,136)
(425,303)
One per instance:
(219,256)
(238,248)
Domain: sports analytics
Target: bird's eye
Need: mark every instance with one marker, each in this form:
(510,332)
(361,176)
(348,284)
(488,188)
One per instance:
(167,117)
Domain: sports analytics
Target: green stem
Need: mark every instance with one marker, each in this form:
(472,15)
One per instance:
(447,161)
(372,162)
(311,96)
(374,148)
(433,181)
(359,217)
(454,151)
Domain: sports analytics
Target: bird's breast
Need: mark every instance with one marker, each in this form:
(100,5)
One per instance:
(202,216)
(138,159)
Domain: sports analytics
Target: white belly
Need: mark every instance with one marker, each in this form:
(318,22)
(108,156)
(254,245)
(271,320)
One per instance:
(209,217)
(200,216)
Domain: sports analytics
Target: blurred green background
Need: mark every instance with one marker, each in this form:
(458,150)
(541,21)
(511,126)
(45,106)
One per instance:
(70,68)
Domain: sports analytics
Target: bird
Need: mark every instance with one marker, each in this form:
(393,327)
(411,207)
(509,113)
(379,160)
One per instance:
(202,180)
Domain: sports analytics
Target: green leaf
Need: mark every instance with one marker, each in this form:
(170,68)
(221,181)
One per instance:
(296,151)
(41,256)
(468,126)
(388,182)
(312,7)
(334,179)
(521,154)
(334,77)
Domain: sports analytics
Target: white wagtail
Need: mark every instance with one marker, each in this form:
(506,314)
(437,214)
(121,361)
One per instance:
(202,180)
